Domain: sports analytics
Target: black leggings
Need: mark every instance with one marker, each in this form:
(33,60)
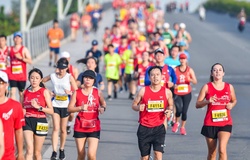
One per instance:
(181,104)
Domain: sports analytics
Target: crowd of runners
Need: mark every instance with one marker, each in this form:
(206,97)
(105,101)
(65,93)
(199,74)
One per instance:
(142,54)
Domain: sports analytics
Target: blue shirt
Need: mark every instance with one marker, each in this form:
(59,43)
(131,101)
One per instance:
(171,73)
(97,54)
(97,82)
(171,62)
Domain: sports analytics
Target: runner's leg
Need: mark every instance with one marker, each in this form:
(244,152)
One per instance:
(55,133)
(80,145)
(38,145)
(63,136)
(92,148)
(223,138)
(211,145)
(29,141)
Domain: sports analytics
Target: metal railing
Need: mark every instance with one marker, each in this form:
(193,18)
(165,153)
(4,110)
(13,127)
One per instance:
(36,38)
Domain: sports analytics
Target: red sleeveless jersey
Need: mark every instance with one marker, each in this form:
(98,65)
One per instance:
(142,72)
(183,85)
(138,55)
(18,67)
(165,76)
(3,60)
(88,121)
(155,105)
(40,99)
(217,114)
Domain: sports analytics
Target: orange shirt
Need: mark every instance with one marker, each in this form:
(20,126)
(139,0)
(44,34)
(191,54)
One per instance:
(55,35)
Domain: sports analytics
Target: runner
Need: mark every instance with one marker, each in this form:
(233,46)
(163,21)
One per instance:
(19,57)
(112,62)
(63,83)
(88,102)
(185,76)
(220,99)
(168,37)
(91,64)
(173,59)
(1,140)
(95,52)
(4,53)
(36,104)
(185,33)
(74,25)
(11,115)
(86,26)
(55,35)
(175,29)
(74,72)
(154,103)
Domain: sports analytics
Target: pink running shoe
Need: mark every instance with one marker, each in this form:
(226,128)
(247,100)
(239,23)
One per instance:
(183,131)
(175,127)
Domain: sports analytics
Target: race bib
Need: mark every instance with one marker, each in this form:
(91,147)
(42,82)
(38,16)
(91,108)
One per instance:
(42,128)
(74,23)
(17,69)
(182,88)
(139,60)
(130,62)
(219,115)
(111,65)
(54,41)
(88,123)
(61,98)
(2,66)
(141,80)
(167,41)
(156,106)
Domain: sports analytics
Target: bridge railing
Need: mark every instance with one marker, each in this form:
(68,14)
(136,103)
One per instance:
(36,38)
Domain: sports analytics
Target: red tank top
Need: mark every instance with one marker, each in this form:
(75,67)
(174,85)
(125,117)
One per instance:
(165,76)
(183,85)
(142,72)
(116,40)
(138,55)
(217,114)
(74,23)
(3,60)
(18,67)
(88,121)
(155,105)
(39,97)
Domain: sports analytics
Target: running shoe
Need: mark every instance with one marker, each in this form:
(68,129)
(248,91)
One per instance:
(183,131)
(115,94)
(120,90)
(61,155)
(50,64)
(175,127)
(68,130)
(109,98)
(53,156)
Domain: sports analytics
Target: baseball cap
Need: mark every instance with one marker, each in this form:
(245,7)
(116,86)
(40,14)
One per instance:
(19,34)
(182,56)
(182,43)
(4,77)
(159,50)
(89,73)
(166,25)
(182,25)
(94,42)
(142,38)
(65,54)
(62,63)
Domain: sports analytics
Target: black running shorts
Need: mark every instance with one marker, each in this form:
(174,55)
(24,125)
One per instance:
(212,131)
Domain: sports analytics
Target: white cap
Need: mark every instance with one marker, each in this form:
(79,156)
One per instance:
(166,25)
(65,54)
(4,76)
(182,25)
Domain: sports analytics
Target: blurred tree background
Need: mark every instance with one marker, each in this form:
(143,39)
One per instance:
(47,11)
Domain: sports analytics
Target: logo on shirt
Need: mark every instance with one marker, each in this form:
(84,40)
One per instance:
(7,115)
(161,97)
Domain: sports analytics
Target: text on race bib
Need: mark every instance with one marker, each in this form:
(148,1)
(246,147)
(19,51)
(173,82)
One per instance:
(155,106)
(219,115)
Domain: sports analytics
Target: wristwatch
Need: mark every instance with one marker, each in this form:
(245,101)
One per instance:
(40,109)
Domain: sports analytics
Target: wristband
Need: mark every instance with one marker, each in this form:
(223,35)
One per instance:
(103,108)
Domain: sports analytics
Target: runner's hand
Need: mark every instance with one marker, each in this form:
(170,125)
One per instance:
(141,107)
(101,110)
(34,103)
(212,99)
(229,106)
(170,84)
(168,113)
(68,92)
(20,157)
(18,56)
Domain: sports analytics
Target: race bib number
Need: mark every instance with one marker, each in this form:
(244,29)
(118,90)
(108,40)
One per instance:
(162,82)
(156,106)
(111,65)
(182,88)
(61,98)
(88,123)
(141,80)
(139,60)
(42,128)
(2,66)
(219,115)
(17,69)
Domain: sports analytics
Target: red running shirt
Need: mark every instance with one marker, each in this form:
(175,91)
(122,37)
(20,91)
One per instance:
(183,85)
(155,105)
(88,121)
(39,97)
(18,67)
(142,72)
(3,60)
(217,114)
(11,114)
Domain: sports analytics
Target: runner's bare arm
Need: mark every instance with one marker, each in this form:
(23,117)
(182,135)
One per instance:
(137,100)
(169,96)
(46,79)
(72,102)
(201,101)
(192,76)
(19,143)
(26,56)
(233,102)
(189,38)
(75,72)
(1,140)
(49,109)
(73,83)
(103,105)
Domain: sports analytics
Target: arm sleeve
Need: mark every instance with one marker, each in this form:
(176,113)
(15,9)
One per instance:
(146,80)
(172,74)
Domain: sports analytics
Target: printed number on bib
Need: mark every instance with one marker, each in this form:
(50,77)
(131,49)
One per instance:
(61,98)
(219,115)
(2,66)
(42,128)
(17,69)
(182,88)
(155,106)
(111,64)
(88,123)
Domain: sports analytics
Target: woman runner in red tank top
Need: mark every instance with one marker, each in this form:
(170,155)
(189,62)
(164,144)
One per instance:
(36,103)
(220,99)
(88,102)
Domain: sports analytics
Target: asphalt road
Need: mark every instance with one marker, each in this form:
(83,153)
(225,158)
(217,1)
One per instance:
(215,40)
